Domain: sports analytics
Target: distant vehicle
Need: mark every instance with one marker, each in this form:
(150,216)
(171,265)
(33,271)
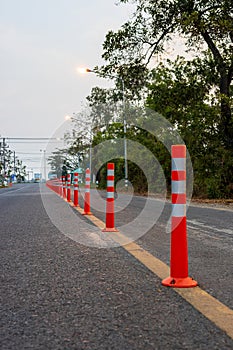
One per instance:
(37,177)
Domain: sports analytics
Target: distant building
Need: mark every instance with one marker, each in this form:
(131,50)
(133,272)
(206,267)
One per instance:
(52,175)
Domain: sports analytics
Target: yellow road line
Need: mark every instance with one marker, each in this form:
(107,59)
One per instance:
(210,307)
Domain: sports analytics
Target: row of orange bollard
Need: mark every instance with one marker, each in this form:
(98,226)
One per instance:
(65,189)
(54,185)
(65,192)
(179,248)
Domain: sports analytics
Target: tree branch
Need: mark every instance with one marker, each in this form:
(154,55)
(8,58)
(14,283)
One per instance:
(156,44)
(208,9)
(231,35)
(212,46)
(230,73)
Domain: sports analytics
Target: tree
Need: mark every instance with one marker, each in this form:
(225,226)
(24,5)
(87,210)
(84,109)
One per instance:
(77,146)
(143,148)
(56,161)
(208,23)
(9,164)
(20,170)
(99,102)
(180,91)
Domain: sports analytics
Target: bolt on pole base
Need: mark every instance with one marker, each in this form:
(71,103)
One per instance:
(87,213)
(110,229)
(187,282)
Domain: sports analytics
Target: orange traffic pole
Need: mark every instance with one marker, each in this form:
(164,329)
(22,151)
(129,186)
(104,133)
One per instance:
(87,199)
(110,215)
(60,188)
(68,194)
(76,190)
(179,248)
(64,186)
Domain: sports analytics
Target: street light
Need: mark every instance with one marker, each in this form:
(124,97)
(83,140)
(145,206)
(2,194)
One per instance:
(83,70)
(68,117)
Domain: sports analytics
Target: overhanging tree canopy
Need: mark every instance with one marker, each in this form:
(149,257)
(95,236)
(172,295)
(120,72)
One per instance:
(208,22)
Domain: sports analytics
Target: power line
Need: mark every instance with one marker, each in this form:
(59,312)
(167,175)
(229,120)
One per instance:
(29,153)
(33,142)
(34,138)
(28,140)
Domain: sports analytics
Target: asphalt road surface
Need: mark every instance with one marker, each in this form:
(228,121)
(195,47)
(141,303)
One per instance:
(58,293)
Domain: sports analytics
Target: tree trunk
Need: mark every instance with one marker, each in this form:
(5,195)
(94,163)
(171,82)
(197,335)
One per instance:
(226,125)
(226,114)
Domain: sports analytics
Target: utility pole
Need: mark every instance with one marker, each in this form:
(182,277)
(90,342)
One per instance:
(1,155)
(125,131)
(87,70)
(4,158)
(45,171)
(3,147)
(14,162)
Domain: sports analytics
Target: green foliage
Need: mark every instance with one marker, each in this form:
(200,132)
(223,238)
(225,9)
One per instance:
(56,161)
(206,23)
(73,154)
(142,149)
(98,100)
(180,92)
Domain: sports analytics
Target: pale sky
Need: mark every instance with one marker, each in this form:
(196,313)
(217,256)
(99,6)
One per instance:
(42,42)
